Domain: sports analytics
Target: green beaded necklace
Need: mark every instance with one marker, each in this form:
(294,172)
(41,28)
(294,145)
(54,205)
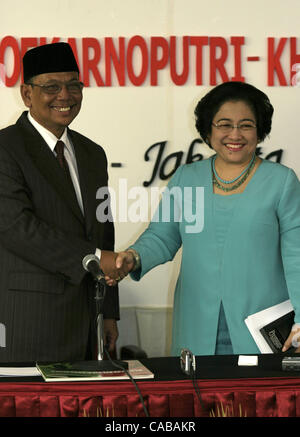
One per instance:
(240,182)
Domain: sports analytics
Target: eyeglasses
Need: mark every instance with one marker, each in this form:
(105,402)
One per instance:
(55,88)
(226,128)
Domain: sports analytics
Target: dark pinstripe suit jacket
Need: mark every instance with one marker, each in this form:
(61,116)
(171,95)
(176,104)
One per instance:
(44,290)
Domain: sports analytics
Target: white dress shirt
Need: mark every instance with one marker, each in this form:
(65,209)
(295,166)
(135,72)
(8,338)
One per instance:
(70,157)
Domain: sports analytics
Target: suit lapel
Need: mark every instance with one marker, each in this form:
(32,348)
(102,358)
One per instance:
(48,165)
(87,180)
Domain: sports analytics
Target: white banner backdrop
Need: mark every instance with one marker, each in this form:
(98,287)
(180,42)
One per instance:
(146,63)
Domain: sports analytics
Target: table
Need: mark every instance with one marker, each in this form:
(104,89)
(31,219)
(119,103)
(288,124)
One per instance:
(262,391)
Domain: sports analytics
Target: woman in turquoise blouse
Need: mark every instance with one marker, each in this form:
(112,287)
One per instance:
(244,256)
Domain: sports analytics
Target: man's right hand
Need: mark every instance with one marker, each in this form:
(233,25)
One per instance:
(124,262)
(108,264)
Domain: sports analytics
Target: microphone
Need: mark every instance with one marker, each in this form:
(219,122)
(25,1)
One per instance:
(91,263)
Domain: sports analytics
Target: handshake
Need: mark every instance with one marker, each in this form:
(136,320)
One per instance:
(116,266)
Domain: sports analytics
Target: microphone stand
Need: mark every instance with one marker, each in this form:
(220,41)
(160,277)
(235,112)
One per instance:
(100,291)
(100,364)
(100,288)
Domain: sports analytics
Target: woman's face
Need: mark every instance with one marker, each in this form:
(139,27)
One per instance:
(235,146)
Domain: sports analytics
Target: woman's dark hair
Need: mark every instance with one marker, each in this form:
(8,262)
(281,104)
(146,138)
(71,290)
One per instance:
(209,105)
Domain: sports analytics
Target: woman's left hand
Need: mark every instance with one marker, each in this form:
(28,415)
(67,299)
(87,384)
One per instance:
(293,339)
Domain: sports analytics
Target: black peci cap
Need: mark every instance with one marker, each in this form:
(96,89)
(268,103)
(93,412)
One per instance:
(49,58)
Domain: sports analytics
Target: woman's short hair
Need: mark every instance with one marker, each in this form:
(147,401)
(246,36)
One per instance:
(258,101)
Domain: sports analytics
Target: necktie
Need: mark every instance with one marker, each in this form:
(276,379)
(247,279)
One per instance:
(59,149)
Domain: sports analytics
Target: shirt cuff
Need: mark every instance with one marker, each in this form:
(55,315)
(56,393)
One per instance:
(98,253)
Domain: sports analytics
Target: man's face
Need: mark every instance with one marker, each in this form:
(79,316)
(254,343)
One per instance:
(57,110)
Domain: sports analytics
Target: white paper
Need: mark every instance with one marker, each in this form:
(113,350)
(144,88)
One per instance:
(248,360)
(19,371)
(258,320)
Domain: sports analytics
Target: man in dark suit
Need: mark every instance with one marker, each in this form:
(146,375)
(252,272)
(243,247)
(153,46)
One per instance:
(48,219)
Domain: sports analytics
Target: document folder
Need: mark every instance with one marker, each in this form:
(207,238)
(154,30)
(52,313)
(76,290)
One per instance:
(271,327)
